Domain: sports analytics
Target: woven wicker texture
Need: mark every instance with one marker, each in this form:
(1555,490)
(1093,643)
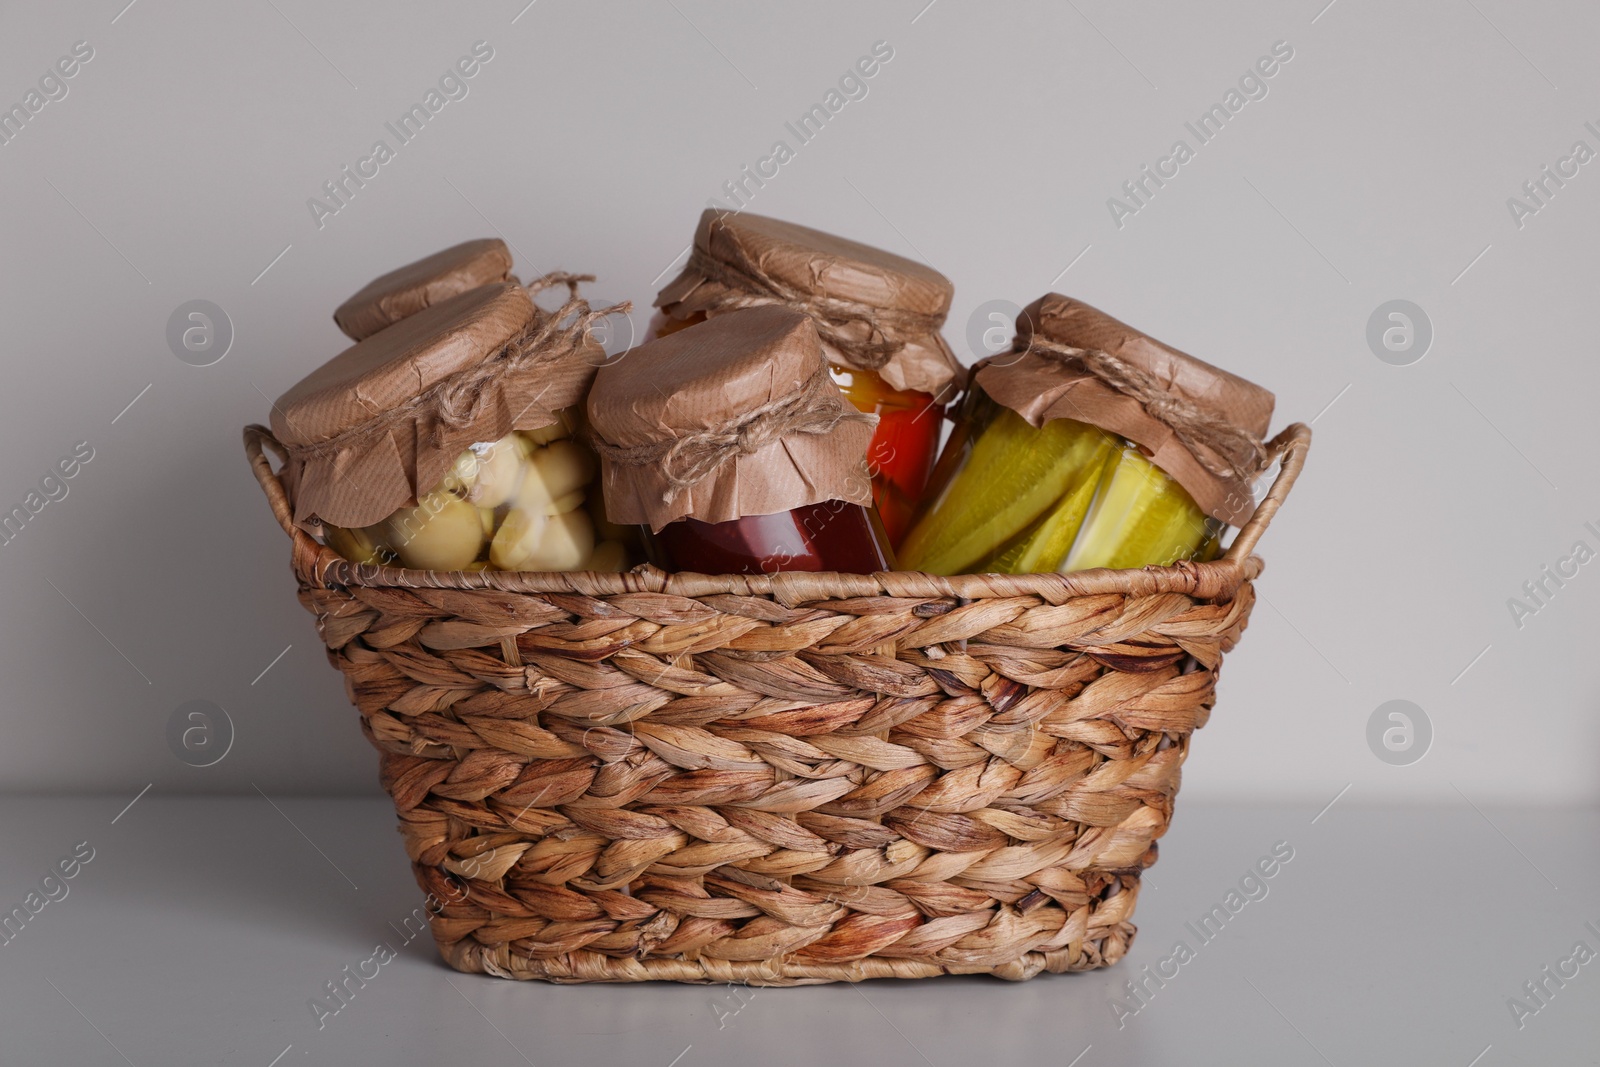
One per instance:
(786,779)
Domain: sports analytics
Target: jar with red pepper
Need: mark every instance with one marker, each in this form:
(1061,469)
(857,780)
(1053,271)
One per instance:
(878,317)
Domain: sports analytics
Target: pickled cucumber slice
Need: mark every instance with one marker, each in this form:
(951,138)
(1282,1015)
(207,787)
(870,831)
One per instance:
(1014,474)
(1045,544)
(1140,517)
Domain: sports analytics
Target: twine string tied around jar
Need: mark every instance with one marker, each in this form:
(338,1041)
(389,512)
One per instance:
(746,285)
(814,408)
(1220,446)
(458,400)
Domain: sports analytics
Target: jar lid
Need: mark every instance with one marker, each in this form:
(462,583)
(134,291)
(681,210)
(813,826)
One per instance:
(430,280)
(1199,423)
(874,310)
(735,416)
(381,422)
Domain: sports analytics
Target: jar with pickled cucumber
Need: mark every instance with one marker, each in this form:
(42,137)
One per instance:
(1090,445)
(878,316)
(452,440)
(733,449)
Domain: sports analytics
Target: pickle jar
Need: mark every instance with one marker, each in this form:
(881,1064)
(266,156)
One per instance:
(878,316)
(732,448)
(449,441)
(1090,445)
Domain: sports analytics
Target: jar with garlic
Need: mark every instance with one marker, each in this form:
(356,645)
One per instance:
(451,440)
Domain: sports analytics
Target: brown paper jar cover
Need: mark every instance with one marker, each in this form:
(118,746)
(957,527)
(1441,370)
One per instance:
(1041,388)
(430,280)
(381,423)
(705,378)
(872,295)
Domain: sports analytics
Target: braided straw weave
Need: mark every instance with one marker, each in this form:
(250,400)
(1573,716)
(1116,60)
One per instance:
(784,779)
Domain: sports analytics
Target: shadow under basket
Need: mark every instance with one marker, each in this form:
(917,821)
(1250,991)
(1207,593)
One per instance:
(782,779)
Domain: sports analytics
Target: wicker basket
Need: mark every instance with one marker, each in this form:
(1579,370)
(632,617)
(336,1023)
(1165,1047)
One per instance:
(785,779)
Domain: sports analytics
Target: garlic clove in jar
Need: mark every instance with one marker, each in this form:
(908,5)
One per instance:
(609,556)
(517,538)
(567,503)
(554,471)
(556,431)
(442,533)
(462,474)
(530,541)
(361,545)
(498,473)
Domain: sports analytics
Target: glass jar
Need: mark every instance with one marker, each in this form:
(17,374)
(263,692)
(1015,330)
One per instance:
(1016,494)
(878,315)
(743,512)
(376,466)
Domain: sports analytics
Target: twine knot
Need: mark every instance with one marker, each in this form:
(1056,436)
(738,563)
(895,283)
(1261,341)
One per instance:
(458,400)
(746,285)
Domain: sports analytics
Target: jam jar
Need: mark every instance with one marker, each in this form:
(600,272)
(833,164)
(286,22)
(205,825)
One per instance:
(731,446)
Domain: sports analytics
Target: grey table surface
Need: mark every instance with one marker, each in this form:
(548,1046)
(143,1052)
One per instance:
(204,930)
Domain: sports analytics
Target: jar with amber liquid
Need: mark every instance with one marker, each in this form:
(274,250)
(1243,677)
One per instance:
(732,448)
(878,316)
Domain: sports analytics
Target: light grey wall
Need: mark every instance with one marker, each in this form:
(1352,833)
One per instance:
(1377,167)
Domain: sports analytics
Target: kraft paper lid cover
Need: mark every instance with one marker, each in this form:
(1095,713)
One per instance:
(1034,382)
(735,416)
(874,310)
(430,280)
(381,422)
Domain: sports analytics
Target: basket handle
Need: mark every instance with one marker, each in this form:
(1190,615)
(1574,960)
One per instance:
(309,559)
(1290,446)
(256,440)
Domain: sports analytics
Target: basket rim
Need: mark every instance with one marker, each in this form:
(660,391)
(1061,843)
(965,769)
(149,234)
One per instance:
(1220,579)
